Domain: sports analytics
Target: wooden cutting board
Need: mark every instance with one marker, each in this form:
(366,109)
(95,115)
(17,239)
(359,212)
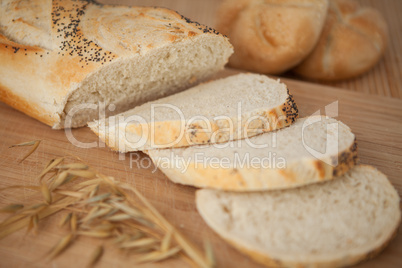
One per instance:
(376,121)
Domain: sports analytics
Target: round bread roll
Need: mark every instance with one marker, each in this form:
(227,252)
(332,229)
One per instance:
(353,40)
(271,36)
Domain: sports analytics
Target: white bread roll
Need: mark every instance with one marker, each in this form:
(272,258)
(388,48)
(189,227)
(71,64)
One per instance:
(331,224)
(56,55)
(271,36)
(352,42)
(207,113)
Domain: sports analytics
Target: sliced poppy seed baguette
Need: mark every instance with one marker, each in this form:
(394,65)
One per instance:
(332,224)
(202,115)
(58,55)
(311,150)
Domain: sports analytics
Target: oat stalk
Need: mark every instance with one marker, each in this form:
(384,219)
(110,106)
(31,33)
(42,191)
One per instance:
(100,207)
(34,144)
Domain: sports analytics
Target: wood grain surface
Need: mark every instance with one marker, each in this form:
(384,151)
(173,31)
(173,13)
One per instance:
(375,120)
(385,79)
(364,106)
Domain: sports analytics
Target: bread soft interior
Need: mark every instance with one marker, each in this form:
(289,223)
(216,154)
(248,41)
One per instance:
(336,222)
(130,82)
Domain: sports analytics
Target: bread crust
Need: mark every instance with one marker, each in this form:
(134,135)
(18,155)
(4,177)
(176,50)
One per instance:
(271,36)
(256,179)
(40,80)
(167,132)
(346,160)
(17,102)
(353,40)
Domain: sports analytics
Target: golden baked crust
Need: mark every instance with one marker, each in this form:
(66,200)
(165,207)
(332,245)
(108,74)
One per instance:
(271,36)
(353,40)
(38,77)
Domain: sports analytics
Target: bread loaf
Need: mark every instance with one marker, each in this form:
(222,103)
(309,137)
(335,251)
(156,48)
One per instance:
(331,224)
(313,149)
(271,36)
(207,113)
(353,40)
(57,55)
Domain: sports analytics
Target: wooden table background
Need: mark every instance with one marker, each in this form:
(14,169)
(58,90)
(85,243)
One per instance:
(385,79)
(375,121)
(374,117)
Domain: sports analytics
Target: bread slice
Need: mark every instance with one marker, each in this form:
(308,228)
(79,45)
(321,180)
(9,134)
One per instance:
(231,108)
(313,149)
(66,62)
(331,224)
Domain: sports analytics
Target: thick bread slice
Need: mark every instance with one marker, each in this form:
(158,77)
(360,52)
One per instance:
(56,55)
(331,224)
(246,104)
(313,149)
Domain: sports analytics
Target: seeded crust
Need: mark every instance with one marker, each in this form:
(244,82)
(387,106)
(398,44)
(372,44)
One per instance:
(168,131)
(39,80)
(346,160)
(303,172)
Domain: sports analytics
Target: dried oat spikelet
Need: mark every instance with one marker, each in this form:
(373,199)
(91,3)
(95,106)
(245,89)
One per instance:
(101,207)
(34,144)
